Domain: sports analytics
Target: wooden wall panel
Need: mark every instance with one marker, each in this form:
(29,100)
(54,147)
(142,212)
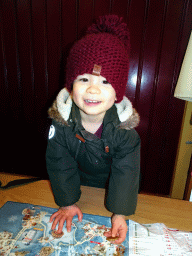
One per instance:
(40,56)
(157,140)
(25,48)
(69,32)
(54,45)
(149,61)
(86,18)
(3,75)
(101,7)
(136,26)
(171,132)
(11,59)
(35,39)
(120,9)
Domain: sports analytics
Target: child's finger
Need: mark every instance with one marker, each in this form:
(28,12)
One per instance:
(107,234)
(56,220)
(122,236)
(53,216)
(68,224)
(80,215)
(119,240)
(61,223)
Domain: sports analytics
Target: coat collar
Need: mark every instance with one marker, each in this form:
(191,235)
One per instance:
(62,108)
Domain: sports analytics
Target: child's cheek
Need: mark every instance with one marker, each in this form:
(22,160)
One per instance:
(74,95)
(77,96)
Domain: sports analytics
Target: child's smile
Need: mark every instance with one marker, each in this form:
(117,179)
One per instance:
(93,95)
(92,102)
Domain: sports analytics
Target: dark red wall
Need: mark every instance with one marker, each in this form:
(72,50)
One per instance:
(35,37)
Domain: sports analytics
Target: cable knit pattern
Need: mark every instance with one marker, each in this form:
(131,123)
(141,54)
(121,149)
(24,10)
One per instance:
(107,45)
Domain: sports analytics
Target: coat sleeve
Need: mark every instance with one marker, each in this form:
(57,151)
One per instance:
(124,178)
(62,168)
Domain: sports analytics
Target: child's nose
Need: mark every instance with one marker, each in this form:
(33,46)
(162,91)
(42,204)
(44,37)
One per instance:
(93,88)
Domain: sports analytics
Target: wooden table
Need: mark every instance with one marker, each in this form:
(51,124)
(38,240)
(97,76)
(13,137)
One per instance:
(173,213)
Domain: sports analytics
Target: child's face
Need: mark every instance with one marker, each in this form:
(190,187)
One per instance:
(93,95)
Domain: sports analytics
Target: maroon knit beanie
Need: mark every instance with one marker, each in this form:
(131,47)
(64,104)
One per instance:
(106,44)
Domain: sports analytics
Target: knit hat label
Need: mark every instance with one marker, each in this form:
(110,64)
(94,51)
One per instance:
(96,70)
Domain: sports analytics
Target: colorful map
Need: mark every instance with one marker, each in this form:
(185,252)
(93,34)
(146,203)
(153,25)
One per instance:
(25,230)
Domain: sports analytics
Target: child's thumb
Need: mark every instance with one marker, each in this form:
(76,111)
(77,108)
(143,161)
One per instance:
(114,230)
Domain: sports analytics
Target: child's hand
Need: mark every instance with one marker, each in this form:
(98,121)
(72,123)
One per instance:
(119,228)
(65,214)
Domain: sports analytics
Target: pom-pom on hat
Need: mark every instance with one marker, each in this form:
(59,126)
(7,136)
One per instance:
(106,45)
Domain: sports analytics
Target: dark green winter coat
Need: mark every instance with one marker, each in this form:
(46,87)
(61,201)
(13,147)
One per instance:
(76,157)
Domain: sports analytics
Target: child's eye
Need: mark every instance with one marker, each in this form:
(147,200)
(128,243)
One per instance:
(105,82)
(84,80)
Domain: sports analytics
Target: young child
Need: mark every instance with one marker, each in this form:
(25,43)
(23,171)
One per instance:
(92,141)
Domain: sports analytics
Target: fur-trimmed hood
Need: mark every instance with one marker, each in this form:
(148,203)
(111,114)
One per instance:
(61,109)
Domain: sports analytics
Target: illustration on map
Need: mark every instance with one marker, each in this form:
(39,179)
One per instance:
(25,230)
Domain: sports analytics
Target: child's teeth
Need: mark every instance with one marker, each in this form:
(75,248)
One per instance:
(93,101)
